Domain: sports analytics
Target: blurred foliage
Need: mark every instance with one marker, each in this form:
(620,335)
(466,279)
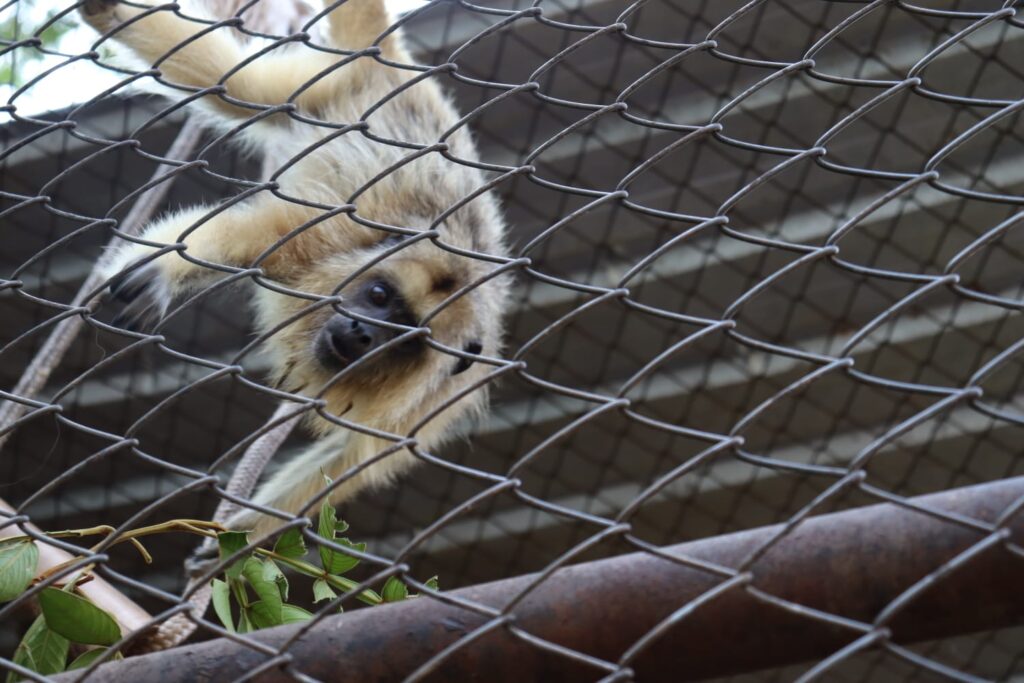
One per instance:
(16,29)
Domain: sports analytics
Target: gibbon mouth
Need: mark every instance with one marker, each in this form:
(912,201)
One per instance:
(328,355)
(343,341)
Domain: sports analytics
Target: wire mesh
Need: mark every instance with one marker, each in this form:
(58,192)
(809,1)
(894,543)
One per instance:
(767,266)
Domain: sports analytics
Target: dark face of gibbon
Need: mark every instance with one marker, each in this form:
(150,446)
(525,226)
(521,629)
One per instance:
(372,346)
(379,312)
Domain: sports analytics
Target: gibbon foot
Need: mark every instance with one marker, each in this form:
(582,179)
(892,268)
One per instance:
(92,8)
(146,295)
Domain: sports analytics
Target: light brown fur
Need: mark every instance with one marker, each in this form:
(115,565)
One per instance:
(390,396)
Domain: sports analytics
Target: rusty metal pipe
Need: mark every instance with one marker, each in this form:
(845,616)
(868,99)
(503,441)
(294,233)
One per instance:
(851,563)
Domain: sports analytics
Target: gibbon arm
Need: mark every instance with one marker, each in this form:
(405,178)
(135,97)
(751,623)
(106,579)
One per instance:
(300,480)
(271,79)
(233,237)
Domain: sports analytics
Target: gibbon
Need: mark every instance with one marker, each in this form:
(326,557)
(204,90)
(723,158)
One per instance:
(300,233)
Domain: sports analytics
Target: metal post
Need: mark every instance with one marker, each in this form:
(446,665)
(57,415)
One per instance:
(853,564)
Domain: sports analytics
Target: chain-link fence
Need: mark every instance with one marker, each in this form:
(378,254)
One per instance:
(766,265)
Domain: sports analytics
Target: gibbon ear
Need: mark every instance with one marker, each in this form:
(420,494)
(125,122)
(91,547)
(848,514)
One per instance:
(473,347)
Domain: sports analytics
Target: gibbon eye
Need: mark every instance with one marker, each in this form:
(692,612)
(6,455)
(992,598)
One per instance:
(379,294)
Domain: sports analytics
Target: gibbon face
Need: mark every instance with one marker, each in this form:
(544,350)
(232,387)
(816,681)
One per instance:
(347,338)
(352,353)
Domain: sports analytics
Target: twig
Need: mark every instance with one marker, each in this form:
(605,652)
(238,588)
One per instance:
(128,614)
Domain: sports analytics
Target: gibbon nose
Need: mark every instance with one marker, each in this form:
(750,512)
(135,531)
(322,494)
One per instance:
(350,339)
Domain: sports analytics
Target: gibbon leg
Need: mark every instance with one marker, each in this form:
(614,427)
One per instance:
(269,80)
(234,237)
(299,480)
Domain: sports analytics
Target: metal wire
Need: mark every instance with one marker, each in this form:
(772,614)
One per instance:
(768,265)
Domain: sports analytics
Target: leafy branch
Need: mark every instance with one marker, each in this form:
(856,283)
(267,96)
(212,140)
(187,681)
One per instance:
(252,594)
(255,588)
(12,68)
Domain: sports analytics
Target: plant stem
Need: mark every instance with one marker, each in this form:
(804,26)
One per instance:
(368,596)
(203,528)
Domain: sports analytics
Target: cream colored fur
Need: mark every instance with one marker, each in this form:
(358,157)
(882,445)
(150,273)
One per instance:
(318,259)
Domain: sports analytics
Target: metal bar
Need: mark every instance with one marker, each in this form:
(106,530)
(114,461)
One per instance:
(851,564)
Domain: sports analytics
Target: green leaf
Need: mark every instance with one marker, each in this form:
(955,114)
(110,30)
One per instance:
(341,526)
(52,35)
(18,560)
(294,614)
(326,528)
(42,650)
(263,616)
(222,604)
(339,563)
(276,575)
(86,659)
(230,542)
(290,614)
(261,576)
(432,583)
(291,545)
(394,590)
(77,619)
(322,591)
